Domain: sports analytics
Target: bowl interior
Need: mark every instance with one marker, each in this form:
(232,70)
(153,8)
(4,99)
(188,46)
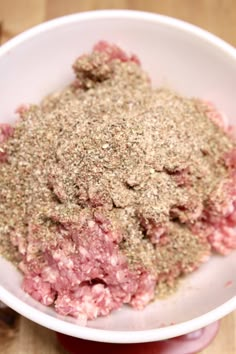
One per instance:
(175,55)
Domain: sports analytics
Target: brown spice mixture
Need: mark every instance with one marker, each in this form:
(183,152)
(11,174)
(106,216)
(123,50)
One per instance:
(116,145)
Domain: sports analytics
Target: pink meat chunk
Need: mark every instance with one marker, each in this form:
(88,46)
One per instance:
(155,232)
(86,273)
(218,220)
(39,290)
(145,291)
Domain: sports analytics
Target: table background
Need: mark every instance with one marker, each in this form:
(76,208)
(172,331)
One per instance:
(217,16)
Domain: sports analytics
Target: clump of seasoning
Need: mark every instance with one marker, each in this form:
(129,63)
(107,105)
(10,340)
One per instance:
(111,189)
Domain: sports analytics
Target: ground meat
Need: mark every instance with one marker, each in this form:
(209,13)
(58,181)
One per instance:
(217,222)
(111,190)
(86,261)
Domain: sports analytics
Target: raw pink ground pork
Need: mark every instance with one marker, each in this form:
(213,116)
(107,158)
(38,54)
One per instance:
(86,275)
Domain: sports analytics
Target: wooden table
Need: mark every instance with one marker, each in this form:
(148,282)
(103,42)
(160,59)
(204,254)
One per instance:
(217,16)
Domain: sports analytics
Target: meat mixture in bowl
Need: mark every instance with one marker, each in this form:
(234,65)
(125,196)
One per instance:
(111,190)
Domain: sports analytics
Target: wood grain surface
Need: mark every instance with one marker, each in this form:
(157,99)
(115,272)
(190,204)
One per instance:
(217,16)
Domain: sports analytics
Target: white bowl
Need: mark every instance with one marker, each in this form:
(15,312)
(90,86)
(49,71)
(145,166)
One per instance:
(175,54)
